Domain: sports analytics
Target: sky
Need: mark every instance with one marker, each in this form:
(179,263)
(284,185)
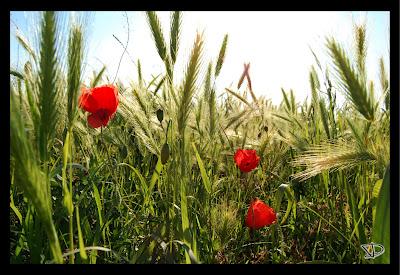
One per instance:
(276,44)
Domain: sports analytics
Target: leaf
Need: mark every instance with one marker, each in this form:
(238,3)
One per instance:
(381,227)
(144,188)
(203,171)
(324,117)
(159,85)
(189,251)
(290,196)
(16,211)
(139,72)
(98,77)
(137,255)
(358,227)
(67,197)
(355,133)
(156,174)
(239,97)
(377,188)
(82,251)
(98,203)
(185,219)
(288,107)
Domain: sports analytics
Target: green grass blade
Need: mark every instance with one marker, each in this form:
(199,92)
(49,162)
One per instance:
(139,66)
(324,117)
(203,171)
(82,251)
(144,188)
(359,228)
(239,97)
(185,219)
(16,211)
(98,77)
(381,226)
(156,175)
(286,100)
(98,204)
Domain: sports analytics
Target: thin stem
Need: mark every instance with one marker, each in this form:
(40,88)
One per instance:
(71,238)
(71,214)
(127,42)
(54,243)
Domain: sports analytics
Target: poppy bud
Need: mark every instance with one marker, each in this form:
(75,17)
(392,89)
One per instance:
(160,115)
(164,153)
(124,152)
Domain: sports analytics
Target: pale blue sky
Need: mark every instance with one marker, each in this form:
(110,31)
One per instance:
(275,43)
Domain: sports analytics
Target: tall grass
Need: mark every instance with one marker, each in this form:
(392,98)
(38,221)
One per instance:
(159,184)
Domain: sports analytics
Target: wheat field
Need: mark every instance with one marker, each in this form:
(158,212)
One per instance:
(158,182)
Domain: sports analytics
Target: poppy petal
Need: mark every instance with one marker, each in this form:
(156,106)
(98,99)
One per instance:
(246,160)
(101,101)
(106,98)
(87,102)
(95,120)
(260,215)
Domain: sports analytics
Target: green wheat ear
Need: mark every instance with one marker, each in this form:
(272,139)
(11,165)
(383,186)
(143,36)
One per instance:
(189,84)
(176,22)
(158,36)
(75,56)
(384,81)
(221,56)
(361,49)
(350,82)
(48,83)
(315,86)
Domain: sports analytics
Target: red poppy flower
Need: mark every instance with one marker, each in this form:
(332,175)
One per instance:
(259,215)
(247,160)
(101,102)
